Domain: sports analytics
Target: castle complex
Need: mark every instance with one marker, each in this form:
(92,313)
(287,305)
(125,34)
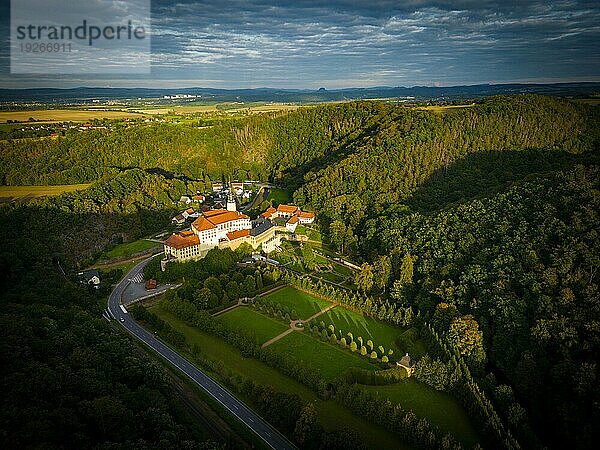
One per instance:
(229,228)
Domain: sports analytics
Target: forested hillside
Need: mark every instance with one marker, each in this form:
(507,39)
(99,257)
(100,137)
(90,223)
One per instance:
(524,263)
(488,216)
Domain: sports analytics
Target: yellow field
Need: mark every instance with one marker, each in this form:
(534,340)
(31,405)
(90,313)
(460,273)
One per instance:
(179,110)
(64,115)
(17,193)
(442,108)
(232,108)
(268,108)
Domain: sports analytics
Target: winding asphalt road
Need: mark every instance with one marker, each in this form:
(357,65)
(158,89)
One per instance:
(271,437)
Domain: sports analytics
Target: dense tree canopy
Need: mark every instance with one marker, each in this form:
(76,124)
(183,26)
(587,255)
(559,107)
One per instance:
(483,219)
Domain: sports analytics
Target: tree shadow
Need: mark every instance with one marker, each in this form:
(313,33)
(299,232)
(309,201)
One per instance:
(483,174)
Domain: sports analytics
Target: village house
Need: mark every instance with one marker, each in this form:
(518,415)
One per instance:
(91,278)
(179,219)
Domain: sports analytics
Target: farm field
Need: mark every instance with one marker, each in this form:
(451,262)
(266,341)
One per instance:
(128,248)
(439,408)
(245,318)
(305,304)
(11,193)
(332,415)
(65,115)
(331,361)
(348,321)
(443,108)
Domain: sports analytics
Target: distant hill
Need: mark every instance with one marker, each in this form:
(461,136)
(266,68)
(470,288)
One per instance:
(418,93)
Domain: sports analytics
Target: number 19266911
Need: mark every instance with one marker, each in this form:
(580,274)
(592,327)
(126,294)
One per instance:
(45,47)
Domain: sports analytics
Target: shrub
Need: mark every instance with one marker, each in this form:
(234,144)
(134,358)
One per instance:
(370,345)
(324,334)
(343,342)
(333,339)
(373,355)
(331,329)
(432,372)
(350,336)
(353,346)
(381,350)
(360,340)
(385,359)
(363,350)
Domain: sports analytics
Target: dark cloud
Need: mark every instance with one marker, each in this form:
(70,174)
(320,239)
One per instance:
(379,42)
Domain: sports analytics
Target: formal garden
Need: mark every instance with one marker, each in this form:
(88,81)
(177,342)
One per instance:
(338,346)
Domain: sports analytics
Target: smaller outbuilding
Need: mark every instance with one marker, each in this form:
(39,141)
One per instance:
(92,278)
(407,364)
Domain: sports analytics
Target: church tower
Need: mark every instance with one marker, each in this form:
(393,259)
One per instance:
(231,204)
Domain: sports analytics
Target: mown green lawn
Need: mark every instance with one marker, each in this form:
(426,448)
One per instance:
(347,321)
(328,359)
(278,196)
(332,415)
(129,248)
(305,304)
(330,276)
(439,408)
(343,270)
(245,318)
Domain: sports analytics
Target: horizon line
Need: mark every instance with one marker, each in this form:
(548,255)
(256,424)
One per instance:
(524,83)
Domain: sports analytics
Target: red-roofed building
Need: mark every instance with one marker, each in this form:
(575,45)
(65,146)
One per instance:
(287,210)
(306,217)
(292,213)
(268,214)
(182,246)
(292,223)
(179,219)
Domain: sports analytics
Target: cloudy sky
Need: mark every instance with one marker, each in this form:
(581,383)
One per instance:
(350,43)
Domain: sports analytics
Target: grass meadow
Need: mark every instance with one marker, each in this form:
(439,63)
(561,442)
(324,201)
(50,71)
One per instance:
(305,304)
(440,408)
(11,193)
(128,249)
(245,318)
(330,360)
(347,321)
(332,415)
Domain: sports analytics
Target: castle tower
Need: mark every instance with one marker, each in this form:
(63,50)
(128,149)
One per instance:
(231,204)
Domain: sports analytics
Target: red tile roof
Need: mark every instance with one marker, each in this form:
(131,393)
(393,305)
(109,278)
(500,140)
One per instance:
(293,220)
(232,235)
(182,240)
(269,212)
(306,215)
(210,219)
(287,208)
